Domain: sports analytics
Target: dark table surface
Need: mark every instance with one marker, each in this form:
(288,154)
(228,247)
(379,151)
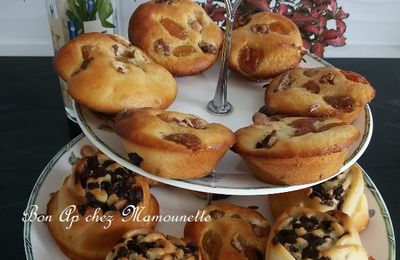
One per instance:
(33,127)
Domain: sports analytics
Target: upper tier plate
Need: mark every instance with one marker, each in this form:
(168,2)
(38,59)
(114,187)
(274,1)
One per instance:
(231,175)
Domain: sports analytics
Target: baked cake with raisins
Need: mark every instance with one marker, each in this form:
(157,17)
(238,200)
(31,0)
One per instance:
(319,92)
(294,150)
(178,34)
(173,144)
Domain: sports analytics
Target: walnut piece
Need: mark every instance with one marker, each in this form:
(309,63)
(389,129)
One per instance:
(310,72)
(207,47)
(196,25)
(284,82)
(174,28)
(312,86)
(250,59)
(183,50)
(160,46)
(192,142)
(259,28)
(327,78)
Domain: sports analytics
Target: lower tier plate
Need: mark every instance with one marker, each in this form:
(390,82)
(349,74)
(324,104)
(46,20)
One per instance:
(378,238)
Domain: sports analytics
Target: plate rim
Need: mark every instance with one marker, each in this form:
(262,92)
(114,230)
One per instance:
(47,169)
(187,184)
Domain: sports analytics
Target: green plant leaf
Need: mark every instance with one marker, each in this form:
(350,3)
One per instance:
(105,10)
(73,8)
(92,14)
(83,9)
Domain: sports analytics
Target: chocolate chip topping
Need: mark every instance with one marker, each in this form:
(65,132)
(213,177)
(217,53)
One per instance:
(269,141)
(289,237)
(341,102)
(137,247)
(312,86)
(135,159)
(101,184)
(329,195)
(192,142)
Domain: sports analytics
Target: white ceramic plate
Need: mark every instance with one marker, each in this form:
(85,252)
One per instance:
(378,238)
(231,176)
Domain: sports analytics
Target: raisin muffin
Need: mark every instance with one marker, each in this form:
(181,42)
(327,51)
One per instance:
(267,45)
(149,244)
(234,232)
(345,193)
(294,150)
(107,74)
(301,233)
(172,144)
(101,187)
(319,92)
(178,34)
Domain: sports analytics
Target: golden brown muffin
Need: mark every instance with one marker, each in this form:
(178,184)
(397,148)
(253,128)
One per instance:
(301,233)
(172,144)
(267,45)
(345,193)
(234,232)
(294,150)
(319,92)
(98,187)
(149,244)
(178,34)
(107,74)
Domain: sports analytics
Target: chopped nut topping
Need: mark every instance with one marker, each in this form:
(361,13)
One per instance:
(243,20)
(278,27)
(259,28)
(88,150)
(238,242)
(350,75)
(192,142)
(327,78)
(260,118)
(216,214)
(314,107)
(160,46)
(284,82)
(86,62)
(207,47)
(269,141)
(195,25)
(260,231)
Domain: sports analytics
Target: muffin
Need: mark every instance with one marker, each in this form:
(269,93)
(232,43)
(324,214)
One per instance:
(266,46)
(107,74)
(172,144)
(178,34)
(234,232)
(294,150)
(345,193)
(149,244)
(319,92)
(102,188)
(301,233)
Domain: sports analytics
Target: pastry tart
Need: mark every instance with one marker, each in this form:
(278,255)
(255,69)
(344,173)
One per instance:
(319,92)
(234,232)
(173,144)
(294,150)
(141,244)
(345,193)
(108,74)
(178,34)
(98,187)
(301,233)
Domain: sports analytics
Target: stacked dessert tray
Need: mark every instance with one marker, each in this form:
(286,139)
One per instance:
(230,177)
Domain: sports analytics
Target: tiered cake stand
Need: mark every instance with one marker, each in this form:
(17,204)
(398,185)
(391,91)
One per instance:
(230,177)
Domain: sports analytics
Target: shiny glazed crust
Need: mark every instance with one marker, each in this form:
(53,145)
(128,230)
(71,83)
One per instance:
(88,239)
(107,74)
(295,150)
(304,92)
(172,144)
(352,201)
(161,28)
(149,244)
(279,46)
(343,242)
(234,232)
